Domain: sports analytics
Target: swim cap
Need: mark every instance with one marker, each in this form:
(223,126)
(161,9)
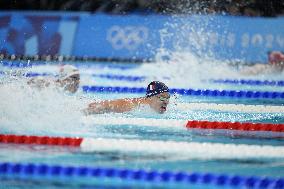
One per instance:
(67,71)
(276,57)
(156,87)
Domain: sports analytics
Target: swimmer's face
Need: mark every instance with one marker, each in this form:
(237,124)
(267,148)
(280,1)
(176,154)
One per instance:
(160,102)
(71,83)
(276,59)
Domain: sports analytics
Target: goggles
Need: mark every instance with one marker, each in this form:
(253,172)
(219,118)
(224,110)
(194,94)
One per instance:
(163,99)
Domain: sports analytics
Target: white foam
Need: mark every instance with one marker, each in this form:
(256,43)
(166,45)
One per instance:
(26,110)
(231,107)
(189,150)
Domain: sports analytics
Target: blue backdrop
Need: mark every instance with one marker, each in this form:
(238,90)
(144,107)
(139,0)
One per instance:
(140,36)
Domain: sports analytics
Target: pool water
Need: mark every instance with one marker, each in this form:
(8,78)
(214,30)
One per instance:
(24,111)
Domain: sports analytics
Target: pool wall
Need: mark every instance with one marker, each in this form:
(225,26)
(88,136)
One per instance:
(138,36)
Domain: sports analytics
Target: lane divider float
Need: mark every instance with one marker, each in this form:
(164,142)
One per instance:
(135,176)
(62,58)
(121,77)
(179,150)
(231,129)
(143,78)
(27,74)
(191,92)
(236,126)
(225,81)
(249,82)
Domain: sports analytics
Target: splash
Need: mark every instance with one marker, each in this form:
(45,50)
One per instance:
(192,58)
(26,110)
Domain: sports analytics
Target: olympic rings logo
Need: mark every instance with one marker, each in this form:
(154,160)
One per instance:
(128,37)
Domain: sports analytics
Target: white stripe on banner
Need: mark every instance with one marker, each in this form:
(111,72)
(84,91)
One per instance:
(183,149)
(231,107)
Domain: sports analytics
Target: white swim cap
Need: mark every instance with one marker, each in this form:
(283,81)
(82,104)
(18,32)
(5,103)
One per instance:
(67,71)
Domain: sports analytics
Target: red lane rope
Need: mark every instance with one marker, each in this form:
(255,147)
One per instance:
(235,126)
(41,140)
(68,141)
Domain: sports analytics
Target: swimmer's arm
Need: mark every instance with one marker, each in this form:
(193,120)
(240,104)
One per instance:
(255,69)
(116,106)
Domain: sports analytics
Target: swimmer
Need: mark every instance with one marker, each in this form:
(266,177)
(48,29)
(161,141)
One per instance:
(69,79)
(275,65)
(157,98)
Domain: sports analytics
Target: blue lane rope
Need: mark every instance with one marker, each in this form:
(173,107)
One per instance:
(31,74)
(225,81)
(191,92)
(28,74)
(31,170)
(121,77)
(248,82)
(64,58)
(25,63)
(16,64)
(143,78)
(104,76)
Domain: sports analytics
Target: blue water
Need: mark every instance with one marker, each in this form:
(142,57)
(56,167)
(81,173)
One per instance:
(61,120)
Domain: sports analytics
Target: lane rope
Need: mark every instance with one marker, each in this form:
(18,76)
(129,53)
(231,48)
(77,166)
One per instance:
(45,171)
(191,92)
(16,64)
(185,150)
(121,77)
(40,140)
(143,78)
(248,82)
(63,58)
(236,126)
(234,129)
(224,81)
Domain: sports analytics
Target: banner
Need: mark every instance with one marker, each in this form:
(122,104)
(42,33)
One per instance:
(232,38)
